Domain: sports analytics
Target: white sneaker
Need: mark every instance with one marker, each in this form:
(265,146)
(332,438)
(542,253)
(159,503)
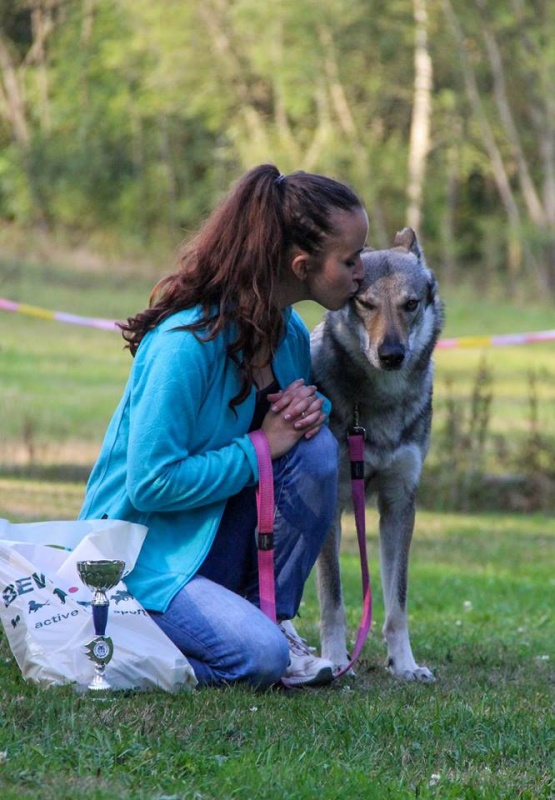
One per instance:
(305,669)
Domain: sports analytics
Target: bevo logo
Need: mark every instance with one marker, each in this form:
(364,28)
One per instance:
(28,584)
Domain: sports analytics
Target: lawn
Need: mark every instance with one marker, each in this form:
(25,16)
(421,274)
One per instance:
(481,618)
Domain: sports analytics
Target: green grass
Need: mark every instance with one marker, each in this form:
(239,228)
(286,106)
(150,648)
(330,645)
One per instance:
(481,618)
(61,382)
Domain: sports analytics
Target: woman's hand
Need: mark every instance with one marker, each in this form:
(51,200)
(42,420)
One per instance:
(295,412)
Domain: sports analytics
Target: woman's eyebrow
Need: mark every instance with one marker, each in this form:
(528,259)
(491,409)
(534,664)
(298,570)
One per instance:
(357,252)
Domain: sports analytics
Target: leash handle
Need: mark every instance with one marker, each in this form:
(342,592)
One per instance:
(265,527)
(356,453)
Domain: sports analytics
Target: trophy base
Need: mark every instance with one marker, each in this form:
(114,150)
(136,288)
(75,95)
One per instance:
(99,684)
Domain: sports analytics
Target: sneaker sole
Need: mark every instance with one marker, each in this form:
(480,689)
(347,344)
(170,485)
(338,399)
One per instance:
(322,678)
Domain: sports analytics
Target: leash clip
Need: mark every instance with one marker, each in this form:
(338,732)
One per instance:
(356,438)
(265,540)
(356,428)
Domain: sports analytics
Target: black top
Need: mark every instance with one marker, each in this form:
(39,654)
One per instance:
(262,404)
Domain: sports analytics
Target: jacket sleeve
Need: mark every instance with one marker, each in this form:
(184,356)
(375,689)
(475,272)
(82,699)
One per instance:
(175,460)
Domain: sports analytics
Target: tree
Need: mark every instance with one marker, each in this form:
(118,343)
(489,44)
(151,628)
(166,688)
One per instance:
(133,116)
(25,27)
(517,122)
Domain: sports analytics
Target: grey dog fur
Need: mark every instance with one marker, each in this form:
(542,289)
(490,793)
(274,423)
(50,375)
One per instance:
(376,354)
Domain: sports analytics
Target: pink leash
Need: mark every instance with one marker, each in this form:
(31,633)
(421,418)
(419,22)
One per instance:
(265,506)
(265,531)
(356,454)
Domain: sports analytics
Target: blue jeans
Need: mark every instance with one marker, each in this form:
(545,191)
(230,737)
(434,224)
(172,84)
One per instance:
(215,620)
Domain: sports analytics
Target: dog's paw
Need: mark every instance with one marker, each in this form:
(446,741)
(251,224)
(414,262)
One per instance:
(337,654)
(413,674)
(338,670)
(340,665)
(419,675)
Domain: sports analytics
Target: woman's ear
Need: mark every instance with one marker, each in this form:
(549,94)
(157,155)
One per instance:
(300,265)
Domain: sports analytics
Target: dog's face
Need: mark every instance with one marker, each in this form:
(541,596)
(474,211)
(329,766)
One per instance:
(397,309)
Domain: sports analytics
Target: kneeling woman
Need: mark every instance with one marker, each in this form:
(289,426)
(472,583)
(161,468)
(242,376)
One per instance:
(217,354)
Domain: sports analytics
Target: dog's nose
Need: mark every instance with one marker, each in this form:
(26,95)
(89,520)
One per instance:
(392,354)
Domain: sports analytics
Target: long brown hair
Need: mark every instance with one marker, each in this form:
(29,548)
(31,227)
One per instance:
(232,267)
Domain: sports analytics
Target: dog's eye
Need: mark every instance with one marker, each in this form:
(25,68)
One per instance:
(411,305)
(365,304)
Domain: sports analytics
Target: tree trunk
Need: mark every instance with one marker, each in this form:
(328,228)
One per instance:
(421,114)
(349,128)
(499,172)
(11,93)
(214,16)
(530,195)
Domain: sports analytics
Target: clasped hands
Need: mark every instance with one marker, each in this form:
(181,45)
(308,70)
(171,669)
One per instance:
(295,412)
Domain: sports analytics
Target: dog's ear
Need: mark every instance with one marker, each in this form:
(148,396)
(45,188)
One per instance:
(432,289)
(408,240)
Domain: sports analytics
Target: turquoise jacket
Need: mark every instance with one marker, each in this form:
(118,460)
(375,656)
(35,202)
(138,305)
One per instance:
(174,451)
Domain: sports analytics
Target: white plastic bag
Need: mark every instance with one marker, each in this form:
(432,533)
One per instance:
(46,614)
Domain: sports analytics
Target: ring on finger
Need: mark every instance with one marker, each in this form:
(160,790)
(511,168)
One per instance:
(303,414)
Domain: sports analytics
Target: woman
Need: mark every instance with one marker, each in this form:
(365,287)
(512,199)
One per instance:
(219,353)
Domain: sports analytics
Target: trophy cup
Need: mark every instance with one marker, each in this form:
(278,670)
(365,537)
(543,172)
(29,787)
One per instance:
(99,576)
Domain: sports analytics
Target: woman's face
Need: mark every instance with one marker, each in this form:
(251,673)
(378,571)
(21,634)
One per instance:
(339,273)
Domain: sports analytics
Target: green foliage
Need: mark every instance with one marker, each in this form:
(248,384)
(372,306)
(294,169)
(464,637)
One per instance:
(16,200)
(136,116)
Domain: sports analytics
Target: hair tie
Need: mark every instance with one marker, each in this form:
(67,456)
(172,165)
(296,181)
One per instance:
(280,178)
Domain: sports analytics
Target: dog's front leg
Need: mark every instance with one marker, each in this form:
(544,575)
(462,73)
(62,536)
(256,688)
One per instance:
(397,514)
(333,625)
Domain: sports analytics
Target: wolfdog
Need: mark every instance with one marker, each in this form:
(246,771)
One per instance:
(372,358)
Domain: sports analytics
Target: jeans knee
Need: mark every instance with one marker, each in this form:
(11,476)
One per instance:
(267,659)
(320,456)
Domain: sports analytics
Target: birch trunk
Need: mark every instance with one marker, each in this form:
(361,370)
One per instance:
(499,172)
(348,126)
(12,97)
(421,115)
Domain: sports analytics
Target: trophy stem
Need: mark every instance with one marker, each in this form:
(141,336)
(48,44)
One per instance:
(100,618)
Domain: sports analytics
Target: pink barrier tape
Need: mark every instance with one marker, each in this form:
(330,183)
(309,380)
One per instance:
(503,340)
(497,341)
(58,316)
